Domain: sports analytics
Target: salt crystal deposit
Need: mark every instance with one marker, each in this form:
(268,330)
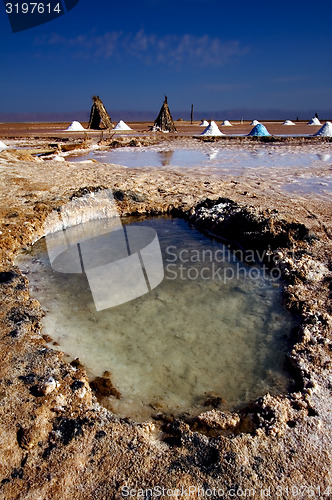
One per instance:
(314,121)
(325,131)
(2,146)
(226,123)
(212,129)
(204,123)
(121,125)
(254,123)
(288,122)
(259,130)
(75,127)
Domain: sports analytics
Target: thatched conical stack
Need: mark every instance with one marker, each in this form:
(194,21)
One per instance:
(164,121)
(99,115)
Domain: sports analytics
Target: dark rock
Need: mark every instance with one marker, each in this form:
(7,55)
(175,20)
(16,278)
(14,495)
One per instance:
(19,316)
(77,384)
(18,473)
(119,195)
(100,434)
(86,190)
(7,276)
(47,451)
(28,379)
(69,428)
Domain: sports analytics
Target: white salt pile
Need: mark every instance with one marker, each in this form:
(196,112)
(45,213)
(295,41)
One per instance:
(226,123)
(259,130)
(2,146)
(204,123)
(212,129)
(314,121)
(75,127)
(254,123)
(121,125)
(288,122)
(325,131)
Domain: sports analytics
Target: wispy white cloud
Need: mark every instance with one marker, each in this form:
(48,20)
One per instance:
(150,49)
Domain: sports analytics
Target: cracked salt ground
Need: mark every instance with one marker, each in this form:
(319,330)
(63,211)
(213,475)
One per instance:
(190,339)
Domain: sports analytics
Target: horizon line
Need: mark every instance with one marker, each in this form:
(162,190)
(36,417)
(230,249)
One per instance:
(146,115)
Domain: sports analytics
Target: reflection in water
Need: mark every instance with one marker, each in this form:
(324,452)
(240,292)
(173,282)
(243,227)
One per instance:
(165,157)
(324,156)
(212,155)
(258,153)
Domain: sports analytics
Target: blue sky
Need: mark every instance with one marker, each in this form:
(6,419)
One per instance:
(217,55)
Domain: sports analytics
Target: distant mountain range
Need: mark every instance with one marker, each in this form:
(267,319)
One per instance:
(132,116)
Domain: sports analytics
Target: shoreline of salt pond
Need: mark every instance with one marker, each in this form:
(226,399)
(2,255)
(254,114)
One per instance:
(57,440)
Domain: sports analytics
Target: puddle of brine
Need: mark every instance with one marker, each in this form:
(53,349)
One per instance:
(213,328)
(317,185)
(212,157)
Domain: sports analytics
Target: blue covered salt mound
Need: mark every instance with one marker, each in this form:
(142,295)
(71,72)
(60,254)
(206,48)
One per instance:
(259,130)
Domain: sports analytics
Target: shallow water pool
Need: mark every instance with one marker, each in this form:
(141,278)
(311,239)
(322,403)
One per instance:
(320,185)
(214,327)
(210,157)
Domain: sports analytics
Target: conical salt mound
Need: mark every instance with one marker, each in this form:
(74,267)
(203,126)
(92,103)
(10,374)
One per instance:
(2,146)
(259,130)
(212,129)
(288,122)
(164,121)
(314,121)
(99,115)
(254,123)
(121,125)
(204,123)
(226,123)
(75,127)
(325,131)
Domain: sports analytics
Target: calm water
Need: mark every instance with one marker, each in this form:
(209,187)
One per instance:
(282,162)
(214,326)
(210,157)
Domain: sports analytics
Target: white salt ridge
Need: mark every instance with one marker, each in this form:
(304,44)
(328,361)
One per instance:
(121,125)
(226,123)
(254,123)
(75,127)
(288,122)
(2,146)
(204,123)
(314,121)
(325,131)
(212,129)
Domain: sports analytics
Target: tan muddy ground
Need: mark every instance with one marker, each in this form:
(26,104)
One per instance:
(56,439)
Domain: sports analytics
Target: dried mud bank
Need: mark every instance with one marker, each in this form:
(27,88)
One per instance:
(57,441)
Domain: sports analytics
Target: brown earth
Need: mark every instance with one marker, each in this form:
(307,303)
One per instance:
(58,442)
(183,128)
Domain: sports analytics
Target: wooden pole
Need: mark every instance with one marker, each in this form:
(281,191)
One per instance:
(192,113)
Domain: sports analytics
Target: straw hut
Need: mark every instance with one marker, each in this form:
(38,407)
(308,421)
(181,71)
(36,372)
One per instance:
(99,115)
(164,121)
